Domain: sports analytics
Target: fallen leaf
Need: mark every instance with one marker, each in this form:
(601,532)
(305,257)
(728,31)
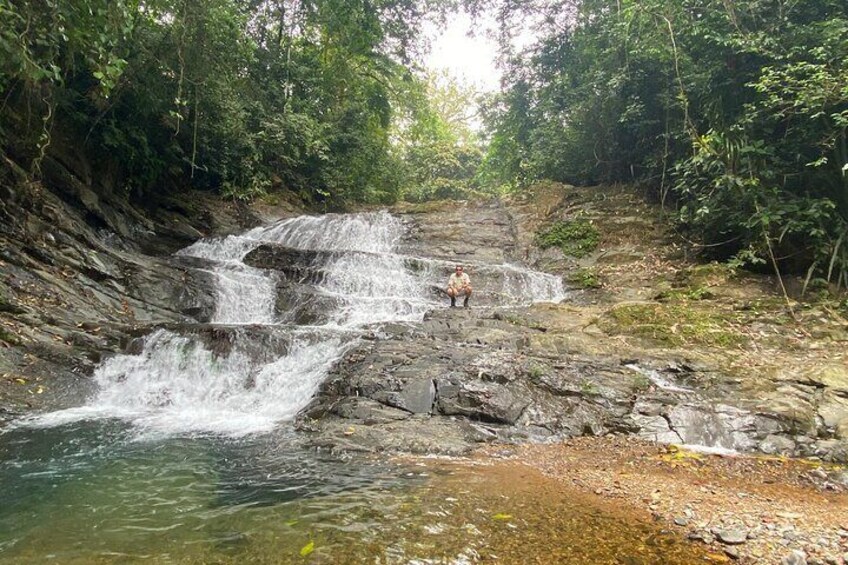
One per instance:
(501,516)
(307,549)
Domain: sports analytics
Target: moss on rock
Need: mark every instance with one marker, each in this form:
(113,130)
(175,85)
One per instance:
(586,278)
(673,324)
(576,238)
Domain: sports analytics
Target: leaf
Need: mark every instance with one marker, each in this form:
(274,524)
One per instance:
(675,455)
(21,381)
(307,549)
(502,516)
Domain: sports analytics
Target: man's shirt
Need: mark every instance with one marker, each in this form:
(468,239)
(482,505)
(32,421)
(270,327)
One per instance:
(458,281)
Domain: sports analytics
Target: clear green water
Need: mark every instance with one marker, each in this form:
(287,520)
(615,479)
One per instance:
(94,493)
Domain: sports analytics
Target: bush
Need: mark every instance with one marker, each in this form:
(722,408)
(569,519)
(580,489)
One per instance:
(576,238)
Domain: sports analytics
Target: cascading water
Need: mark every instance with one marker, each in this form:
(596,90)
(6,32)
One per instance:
(180,383)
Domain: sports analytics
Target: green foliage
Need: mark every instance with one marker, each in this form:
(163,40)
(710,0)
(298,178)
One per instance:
(689,293)
(588,388)
(9,337)
(536,371)
(434,143)
(641,383)
(674,324)
(586,278)
(242,97)
(735,112)
(576,238)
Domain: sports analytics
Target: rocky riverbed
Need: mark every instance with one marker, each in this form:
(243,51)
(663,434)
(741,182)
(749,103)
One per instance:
(746,509)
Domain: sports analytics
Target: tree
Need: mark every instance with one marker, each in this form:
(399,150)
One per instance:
(735,109)
(435,141)
(240,96)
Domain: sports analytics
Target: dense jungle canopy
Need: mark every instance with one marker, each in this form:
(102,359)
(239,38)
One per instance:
(732,112)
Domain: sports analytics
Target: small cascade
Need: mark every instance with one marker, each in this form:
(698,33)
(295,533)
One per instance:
(661,382)
(180,384)
(699,423)
(258,366)
(245,294)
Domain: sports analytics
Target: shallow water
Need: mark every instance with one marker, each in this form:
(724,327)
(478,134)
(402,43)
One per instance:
(95,493)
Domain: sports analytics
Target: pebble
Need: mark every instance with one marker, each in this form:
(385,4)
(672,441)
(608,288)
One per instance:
(681,521)
(701,536)
(731,536)
(795,558)
(731,552)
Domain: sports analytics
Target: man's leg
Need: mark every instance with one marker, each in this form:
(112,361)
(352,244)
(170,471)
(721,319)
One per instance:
(452,294)
(467,296)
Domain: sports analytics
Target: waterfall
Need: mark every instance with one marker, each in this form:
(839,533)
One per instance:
(258,368)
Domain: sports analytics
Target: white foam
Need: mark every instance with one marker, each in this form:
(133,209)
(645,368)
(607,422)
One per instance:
(660,381)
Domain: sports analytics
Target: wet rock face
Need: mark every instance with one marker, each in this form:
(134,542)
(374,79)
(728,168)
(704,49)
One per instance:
(516,373)
(511,390)
(82,270)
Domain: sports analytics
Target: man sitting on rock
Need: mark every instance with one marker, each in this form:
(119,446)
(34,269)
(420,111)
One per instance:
(459,284)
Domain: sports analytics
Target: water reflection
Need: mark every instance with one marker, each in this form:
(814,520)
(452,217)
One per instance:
(95,493)
(93,488)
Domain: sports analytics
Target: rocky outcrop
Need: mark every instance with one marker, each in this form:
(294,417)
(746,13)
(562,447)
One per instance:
(82,278)
(542,372)
(82,270)
(489,377)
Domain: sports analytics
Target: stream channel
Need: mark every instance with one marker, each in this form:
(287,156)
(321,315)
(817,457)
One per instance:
(186,452)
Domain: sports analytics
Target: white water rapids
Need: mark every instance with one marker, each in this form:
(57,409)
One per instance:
(272,366)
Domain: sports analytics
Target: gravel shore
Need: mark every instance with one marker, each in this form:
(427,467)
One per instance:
(744,509)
